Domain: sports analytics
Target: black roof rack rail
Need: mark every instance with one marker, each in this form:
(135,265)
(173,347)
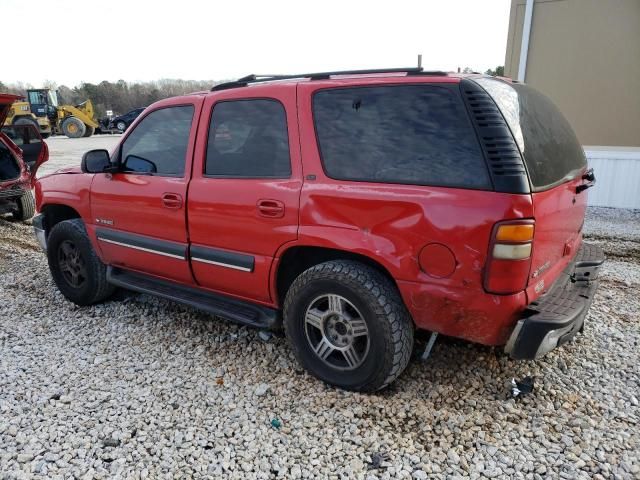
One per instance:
(254,78)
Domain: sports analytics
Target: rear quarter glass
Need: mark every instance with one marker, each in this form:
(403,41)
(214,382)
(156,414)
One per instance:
(550,148)
(403,134)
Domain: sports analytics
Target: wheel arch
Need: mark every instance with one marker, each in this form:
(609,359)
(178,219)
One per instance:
(55,213)
(298,258)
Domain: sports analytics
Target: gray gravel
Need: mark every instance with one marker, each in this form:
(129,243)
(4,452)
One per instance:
(143,388)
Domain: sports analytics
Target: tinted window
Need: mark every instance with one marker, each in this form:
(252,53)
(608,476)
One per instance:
(417,134)
(248,138)
(159,142)
(551,150)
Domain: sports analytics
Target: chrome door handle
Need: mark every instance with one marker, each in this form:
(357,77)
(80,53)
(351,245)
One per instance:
(172,200)
(270,208)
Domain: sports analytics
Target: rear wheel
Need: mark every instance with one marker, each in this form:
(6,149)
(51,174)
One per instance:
(27,121)
(73,127)
(122,126)
(26,207)
(88,131)
(76,269)
(348,325)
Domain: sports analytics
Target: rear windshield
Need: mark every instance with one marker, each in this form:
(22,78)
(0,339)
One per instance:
(411,134)
(549,145)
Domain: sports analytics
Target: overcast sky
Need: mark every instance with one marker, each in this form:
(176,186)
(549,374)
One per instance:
(71,41)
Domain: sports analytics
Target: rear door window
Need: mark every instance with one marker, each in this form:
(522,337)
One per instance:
(549,146)
(248,139)
(409,134)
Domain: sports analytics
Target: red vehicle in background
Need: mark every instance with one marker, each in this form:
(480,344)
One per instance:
(22,151)
(350,207)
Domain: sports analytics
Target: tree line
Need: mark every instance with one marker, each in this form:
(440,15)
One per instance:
(119,97)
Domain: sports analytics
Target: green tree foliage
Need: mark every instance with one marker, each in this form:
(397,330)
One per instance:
(119,97)
(498,72)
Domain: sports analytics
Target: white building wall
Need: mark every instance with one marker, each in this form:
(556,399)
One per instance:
(617,173)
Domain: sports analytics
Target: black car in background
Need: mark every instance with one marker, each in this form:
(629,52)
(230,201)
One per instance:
(123,121)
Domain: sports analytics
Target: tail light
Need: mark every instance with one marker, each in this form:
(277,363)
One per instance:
(509,259)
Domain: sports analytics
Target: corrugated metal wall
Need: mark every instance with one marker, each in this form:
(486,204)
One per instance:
(617,177)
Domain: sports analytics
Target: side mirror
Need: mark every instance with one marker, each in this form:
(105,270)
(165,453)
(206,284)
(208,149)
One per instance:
(96,161)
(136,164)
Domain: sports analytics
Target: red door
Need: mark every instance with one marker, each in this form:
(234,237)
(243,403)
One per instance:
(139,215)
(245,188)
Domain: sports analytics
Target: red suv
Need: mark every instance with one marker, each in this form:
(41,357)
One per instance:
(350,207)
(22,151)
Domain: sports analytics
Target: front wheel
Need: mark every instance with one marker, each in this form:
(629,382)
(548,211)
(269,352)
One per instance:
(88,131)
(121,126)
(76,269)
(348,326)
(73,127)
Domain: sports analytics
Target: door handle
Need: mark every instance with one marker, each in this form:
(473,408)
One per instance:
(172,200)
(270,208)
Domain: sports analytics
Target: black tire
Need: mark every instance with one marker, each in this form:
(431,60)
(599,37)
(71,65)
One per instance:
(73,127)
(45,135)
(93,287)
(26,207)
(27,121)
(89,131)
(376,299)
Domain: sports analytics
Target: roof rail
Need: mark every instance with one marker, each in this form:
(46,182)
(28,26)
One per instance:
(254,78)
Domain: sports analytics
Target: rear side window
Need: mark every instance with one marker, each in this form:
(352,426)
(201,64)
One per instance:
(411,134)
(549,146)
(158,145)
(248,138)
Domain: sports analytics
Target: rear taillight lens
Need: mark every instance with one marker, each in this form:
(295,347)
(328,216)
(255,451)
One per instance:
(509,259)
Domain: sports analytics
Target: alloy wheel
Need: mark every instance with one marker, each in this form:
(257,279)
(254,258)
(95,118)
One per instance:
(72,264)
(337,332)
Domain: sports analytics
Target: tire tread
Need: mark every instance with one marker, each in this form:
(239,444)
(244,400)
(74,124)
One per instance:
(387,304)
(98,270)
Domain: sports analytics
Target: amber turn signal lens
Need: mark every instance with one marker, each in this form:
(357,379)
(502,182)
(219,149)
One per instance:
(515,233)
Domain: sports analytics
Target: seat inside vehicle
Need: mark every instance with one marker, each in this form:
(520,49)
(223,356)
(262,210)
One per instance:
(9,168)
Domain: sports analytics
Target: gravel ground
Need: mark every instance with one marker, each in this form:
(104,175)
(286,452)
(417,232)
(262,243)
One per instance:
(144,388)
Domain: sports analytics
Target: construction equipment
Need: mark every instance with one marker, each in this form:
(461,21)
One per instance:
(42,110)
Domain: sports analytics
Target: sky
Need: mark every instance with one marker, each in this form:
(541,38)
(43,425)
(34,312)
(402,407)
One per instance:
(142,40)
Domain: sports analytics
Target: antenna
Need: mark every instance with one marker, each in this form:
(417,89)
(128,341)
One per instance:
(419,60)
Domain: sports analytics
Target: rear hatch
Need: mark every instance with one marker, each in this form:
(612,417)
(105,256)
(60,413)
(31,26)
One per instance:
(556,166)
(22,142)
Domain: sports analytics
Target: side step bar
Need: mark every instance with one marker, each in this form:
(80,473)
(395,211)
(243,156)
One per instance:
(230,308)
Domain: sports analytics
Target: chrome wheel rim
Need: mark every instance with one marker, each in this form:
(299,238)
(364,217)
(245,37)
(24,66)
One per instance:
(337,332)
(71,264)
(121,126)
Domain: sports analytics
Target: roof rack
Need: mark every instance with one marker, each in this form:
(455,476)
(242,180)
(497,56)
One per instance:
(254,78)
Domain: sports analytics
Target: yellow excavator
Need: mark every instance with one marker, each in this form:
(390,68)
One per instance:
(42,110)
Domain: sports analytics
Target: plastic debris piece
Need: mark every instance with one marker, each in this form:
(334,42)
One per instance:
(520,388)
(220,381)
(377,460)
(275,423)
(264,335)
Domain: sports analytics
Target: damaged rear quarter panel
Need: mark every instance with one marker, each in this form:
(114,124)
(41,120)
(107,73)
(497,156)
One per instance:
(391,225)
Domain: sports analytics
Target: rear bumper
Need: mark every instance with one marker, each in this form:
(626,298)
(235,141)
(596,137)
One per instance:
(556,317)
